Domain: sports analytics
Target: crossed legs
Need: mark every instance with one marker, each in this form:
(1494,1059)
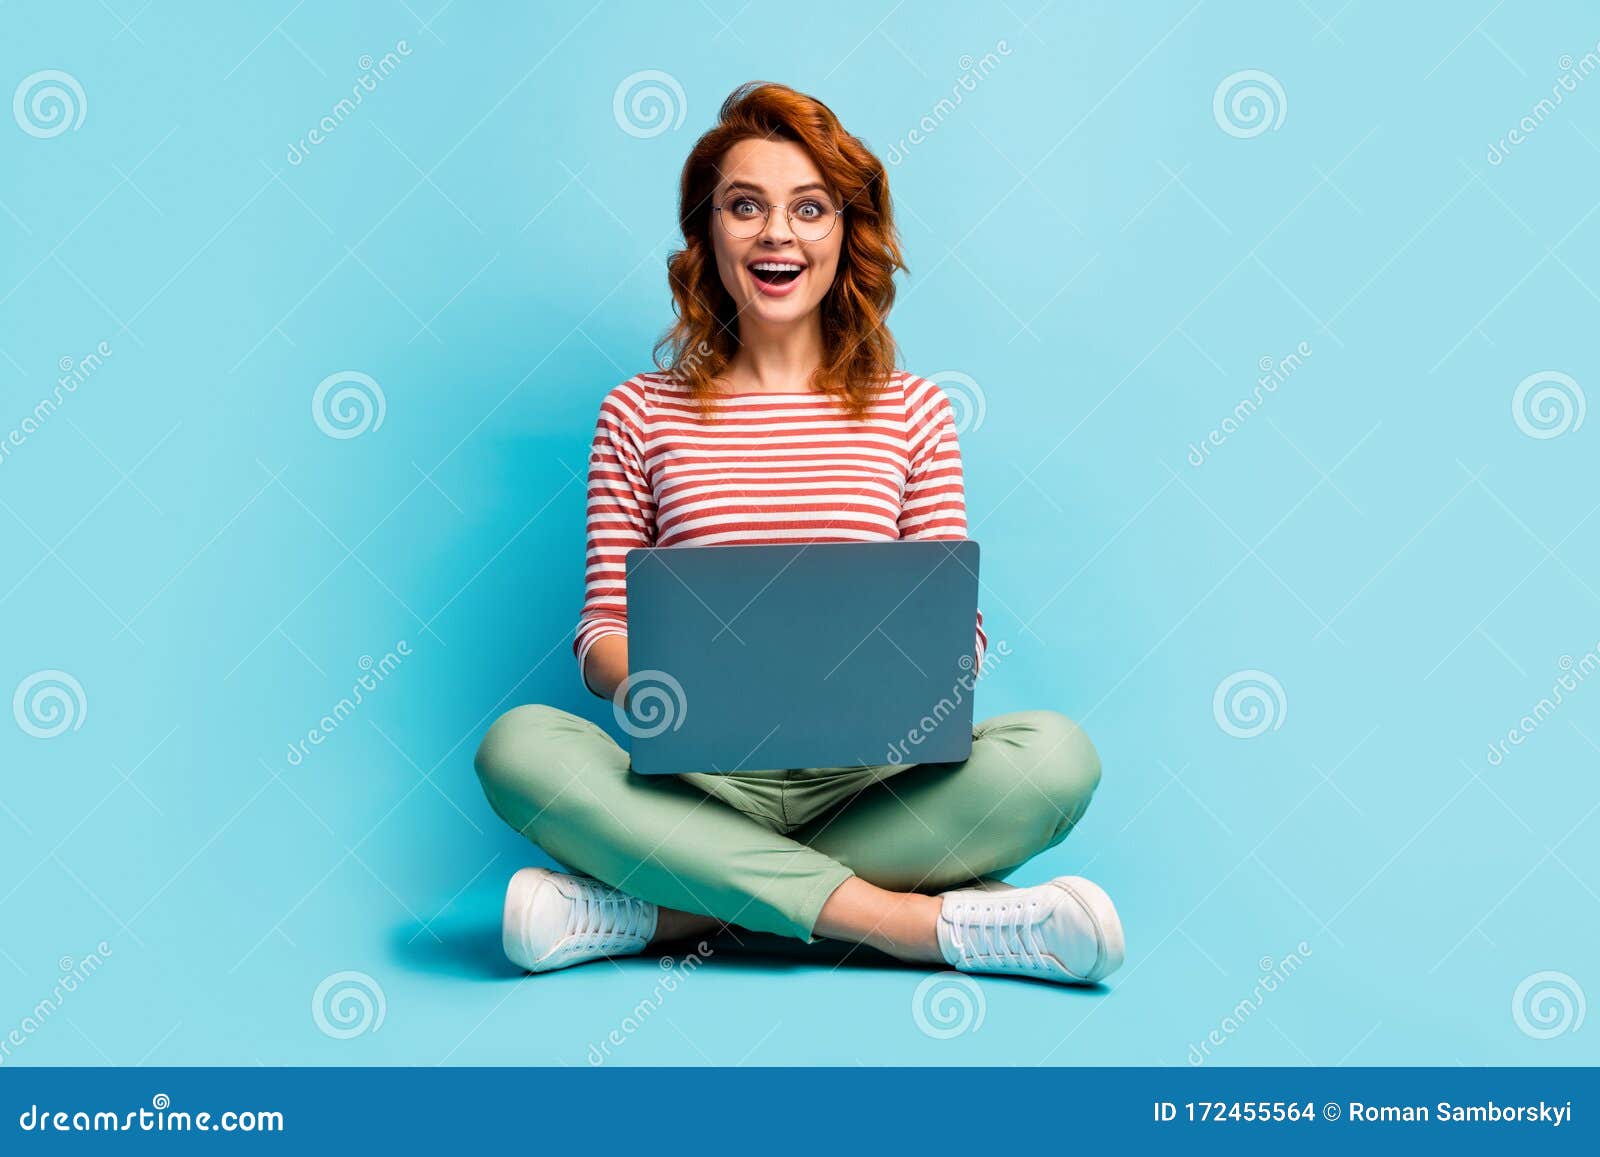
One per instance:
(867,869)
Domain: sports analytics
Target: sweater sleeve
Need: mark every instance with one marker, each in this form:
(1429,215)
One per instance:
(620,514)
(934,503)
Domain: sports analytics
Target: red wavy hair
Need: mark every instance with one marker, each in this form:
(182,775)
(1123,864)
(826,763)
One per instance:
(858,350)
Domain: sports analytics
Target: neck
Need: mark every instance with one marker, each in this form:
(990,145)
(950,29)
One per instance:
(776,362)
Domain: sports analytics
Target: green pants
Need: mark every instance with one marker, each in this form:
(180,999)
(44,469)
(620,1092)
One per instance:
(764,850)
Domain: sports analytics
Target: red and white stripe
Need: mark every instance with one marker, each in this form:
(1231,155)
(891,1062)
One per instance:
(772,468)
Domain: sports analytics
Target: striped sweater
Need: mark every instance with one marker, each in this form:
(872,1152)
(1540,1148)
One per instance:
(772,468)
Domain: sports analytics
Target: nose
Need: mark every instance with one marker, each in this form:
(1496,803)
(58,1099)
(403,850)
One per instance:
(777,231)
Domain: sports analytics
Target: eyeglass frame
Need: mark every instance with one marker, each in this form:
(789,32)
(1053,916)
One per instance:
(766,220)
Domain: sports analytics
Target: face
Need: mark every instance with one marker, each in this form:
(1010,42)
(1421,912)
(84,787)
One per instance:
(776,277)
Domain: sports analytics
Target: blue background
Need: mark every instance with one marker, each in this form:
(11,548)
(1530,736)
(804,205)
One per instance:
(1087,245)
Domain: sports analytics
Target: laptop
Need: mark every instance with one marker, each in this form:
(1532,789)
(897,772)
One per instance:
(773,657)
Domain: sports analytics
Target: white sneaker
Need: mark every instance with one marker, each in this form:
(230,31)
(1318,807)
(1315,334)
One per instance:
(1066,930)
(553,920)
(991,884)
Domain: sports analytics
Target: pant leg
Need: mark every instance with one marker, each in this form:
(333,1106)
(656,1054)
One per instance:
(563,782)
(1028,781)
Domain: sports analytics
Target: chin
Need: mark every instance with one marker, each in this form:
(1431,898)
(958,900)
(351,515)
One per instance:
(786,310)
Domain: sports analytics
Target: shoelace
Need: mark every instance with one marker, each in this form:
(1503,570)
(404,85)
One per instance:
(607,916)
(1000,932)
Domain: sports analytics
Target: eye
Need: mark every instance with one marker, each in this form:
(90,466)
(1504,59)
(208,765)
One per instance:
(745,207)
(810,210)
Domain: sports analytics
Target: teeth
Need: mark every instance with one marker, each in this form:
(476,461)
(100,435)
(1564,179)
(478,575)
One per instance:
(778,266)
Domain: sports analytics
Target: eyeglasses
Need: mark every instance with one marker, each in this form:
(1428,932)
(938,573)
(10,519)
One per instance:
(811,219)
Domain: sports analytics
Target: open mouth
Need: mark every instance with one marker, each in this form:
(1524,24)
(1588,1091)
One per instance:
(776,274)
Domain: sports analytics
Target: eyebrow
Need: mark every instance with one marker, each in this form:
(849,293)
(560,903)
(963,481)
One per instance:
(754,188)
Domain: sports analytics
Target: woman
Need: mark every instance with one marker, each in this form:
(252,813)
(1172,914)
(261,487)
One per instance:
(783,418)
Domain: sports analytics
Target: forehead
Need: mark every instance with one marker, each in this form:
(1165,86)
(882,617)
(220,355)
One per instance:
(776,167)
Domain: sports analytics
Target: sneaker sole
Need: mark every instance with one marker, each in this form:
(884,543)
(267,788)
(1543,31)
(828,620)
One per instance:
(1102,913)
